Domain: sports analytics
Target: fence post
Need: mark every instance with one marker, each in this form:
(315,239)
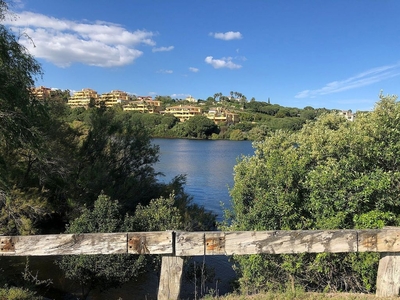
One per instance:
(171,277)
(388,277)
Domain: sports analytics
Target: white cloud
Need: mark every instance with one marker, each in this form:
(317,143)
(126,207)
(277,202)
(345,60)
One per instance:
(365,78)
(194,70)
(225,62)
(179,96)
(163,49)
(63,42)
(165,71)
(227,36)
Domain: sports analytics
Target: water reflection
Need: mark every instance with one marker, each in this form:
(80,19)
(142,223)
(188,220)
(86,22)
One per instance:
(208,166)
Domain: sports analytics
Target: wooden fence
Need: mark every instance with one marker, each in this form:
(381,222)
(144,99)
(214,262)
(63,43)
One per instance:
(174,245)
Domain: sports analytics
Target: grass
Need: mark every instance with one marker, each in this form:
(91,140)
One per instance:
(297,296)
(295,293)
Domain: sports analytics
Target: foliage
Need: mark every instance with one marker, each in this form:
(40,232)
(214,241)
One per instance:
(104,271)
(159,215)
(236,135)
(193,216)
(28,166)
(16,293)
(107,271)
(199,127)
(20,211)
(116,157)
(332,174)
(259,132)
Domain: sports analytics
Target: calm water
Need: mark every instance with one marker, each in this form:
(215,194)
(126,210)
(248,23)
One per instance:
(208,166)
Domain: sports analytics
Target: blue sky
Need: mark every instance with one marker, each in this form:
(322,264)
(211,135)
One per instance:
(323,53)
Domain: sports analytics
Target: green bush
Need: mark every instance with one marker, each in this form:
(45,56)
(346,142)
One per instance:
(332,174)
(16,293)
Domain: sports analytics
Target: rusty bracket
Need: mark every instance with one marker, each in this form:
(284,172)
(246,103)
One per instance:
(215,244)
(7,245)
(137,244)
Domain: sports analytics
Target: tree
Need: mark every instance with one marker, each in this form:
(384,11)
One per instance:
(30,160)
(236,135)
(332,174)
(210,100)
(18,70)
(217,95)
(116,157)
(103,271)
(200,127)
(174,212)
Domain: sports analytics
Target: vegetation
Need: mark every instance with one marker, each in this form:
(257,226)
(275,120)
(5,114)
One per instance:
(297,296)
(91,169)
(14,293)
(256,119)
(331,174)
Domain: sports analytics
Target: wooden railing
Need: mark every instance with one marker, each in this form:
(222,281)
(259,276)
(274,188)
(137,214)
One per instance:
(174,245)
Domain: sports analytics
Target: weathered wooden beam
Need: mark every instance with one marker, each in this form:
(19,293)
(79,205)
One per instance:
(272,242)
(170,278)
(379,240)
(189,243)
(87,243)
(205,243)
(291,241)
(160,242)
(388,277)
(63,244)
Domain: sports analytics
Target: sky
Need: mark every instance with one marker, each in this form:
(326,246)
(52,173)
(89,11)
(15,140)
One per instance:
(337,54)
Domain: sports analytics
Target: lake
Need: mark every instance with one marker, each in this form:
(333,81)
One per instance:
(207,164)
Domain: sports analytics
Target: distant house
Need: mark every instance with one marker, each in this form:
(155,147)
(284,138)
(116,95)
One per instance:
(114,97)
(218,115)
(83,98)
(41,93)
(144,98)
(232,118)
(348,114)
(191,99)
(184,112)
(144,106)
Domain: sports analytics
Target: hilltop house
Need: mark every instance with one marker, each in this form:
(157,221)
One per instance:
(83,98)
(184,112)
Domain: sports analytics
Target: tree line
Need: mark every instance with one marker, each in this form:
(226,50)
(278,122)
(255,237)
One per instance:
(257,119)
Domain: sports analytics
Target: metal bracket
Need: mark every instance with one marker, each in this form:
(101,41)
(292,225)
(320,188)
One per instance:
(215,245)
(137,244)
(7,245)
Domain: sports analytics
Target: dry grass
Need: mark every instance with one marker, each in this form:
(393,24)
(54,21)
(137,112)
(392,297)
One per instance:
(299,296)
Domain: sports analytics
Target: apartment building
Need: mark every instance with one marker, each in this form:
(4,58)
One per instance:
(144,106)
(144,98)
(184,112)
(83,98)
(348,114)
(232,118)
(41,93)
(218,115)
(191,99)
(114,97)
